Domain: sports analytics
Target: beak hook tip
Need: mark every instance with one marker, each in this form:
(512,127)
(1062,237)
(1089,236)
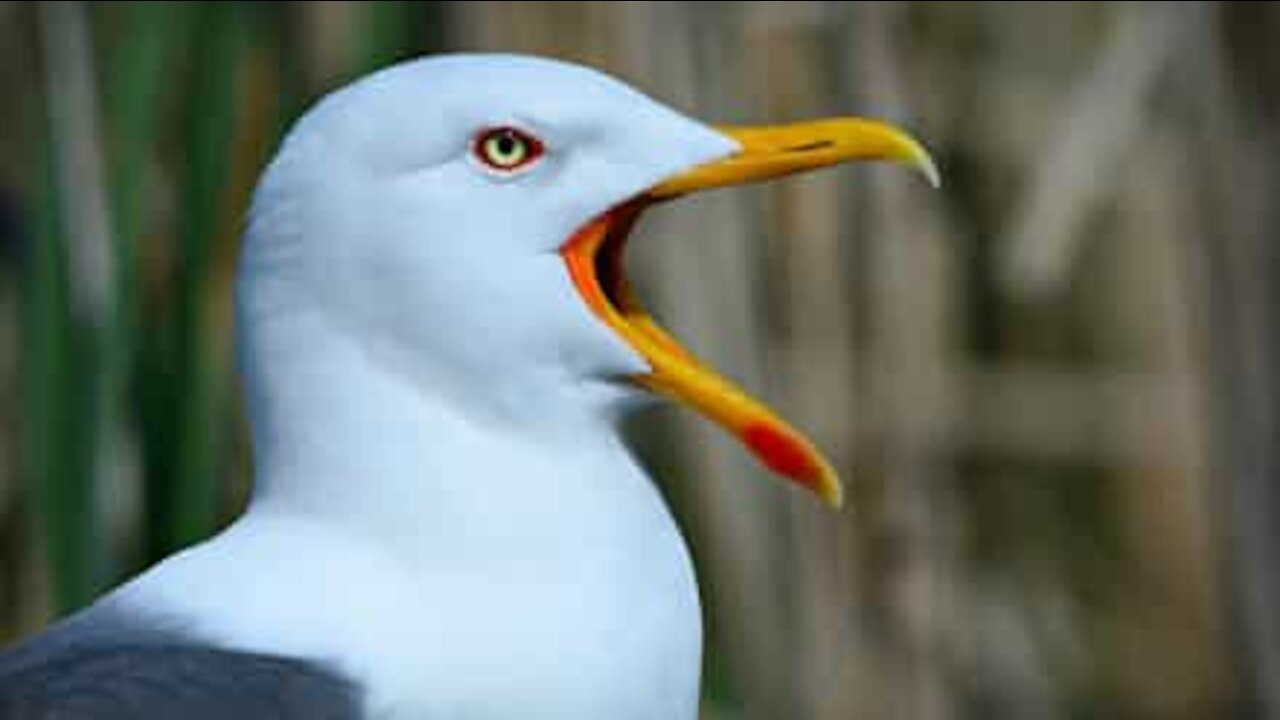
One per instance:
(930,170)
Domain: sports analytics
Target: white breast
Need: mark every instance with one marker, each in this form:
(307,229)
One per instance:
(600,619)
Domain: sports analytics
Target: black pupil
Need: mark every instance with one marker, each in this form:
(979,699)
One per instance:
(506,144)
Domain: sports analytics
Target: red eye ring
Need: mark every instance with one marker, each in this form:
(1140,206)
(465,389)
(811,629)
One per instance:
(506,149)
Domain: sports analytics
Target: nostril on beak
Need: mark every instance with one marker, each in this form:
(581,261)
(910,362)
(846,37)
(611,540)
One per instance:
(815,145)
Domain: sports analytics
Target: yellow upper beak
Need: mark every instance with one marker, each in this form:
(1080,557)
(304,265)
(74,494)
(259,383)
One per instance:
(766,152)
(771,152)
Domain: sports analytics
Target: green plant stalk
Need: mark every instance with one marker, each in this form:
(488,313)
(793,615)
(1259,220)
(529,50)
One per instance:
(192,510)
(131,101)
(387,34)
(70,318)
(62,497)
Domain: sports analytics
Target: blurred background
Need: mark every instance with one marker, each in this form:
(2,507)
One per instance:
(1051,386)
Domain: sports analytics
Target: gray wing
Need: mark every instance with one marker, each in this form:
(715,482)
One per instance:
(114,670)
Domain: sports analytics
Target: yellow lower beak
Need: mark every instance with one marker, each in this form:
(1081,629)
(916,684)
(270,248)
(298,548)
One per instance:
(766,152)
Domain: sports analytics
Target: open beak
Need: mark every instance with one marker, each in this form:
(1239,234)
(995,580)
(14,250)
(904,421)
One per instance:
(594,259)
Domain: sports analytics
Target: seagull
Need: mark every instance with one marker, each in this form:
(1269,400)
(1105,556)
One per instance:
(438,343)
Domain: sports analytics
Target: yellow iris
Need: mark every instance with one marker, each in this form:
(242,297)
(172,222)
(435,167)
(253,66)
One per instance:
(505,149)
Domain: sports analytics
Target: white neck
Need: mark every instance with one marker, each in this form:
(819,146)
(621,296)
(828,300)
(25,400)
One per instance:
(344,436)
(543,539)
(471,563)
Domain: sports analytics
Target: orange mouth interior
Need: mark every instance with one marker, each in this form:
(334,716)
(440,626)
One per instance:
(594,257)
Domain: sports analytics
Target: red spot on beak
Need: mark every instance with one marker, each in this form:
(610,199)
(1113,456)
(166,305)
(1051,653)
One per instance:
(782,453)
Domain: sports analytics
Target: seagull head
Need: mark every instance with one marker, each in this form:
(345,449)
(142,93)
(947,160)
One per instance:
(463,219)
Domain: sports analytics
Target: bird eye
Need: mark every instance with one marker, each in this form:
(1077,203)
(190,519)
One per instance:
(506,149)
